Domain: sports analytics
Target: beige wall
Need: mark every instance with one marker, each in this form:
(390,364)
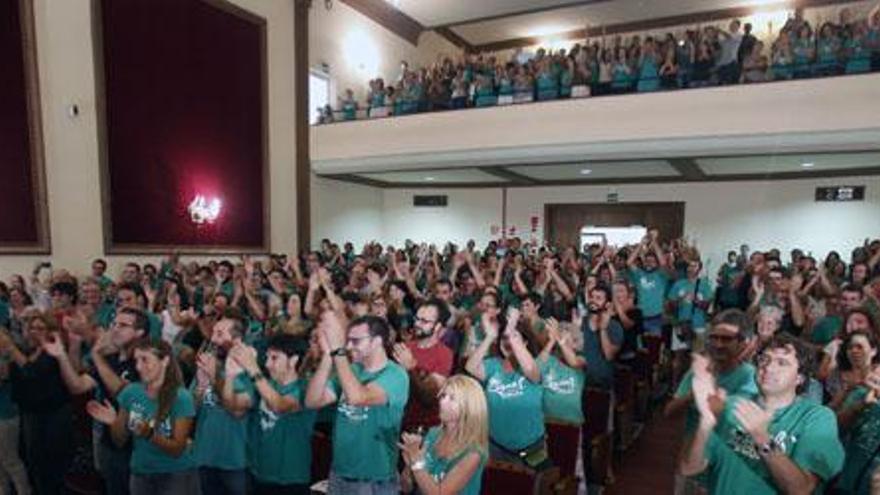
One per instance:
(357,49)
(66,70)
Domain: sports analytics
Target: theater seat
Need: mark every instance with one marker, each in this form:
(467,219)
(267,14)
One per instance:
(563,440)
(597,404)
(511,479)
(322,453)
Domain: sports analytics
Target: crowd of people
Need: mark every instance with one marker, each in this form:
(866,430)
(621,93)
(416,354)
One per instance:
(699,57)
(425,364)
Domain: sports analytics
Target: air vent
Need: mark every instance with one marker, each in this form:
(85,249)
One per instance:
(437,201)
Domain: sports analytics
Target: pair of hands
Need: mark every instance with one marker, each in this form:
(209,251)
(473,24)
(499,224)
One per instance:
(491,328)
(105,413)
(754,419)
(241,358)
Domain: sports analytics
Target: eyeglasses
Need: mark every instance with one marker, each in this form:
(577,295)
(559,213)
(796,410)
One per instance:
(425,321)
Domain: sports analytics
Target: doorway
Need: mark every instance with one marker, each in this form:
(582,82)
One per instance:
(564,223)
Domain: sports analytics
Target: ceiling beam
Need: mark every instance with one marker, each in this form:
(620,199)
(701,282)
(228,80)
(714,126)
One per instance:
(506,174)
(772,176)
(688,168)
(453,37)
(384,14)
(695,18)
(515,13)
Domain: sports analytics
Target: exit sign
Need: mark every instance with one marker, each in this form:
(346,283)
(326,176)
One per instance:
(840,193)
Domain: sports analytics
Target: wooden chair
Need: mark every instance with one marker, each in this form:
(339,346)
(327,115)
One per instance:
(597,405)
(512,479)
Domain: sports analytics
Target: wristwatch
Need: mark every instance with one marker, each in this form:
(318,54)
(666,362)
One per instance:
(339,351)
(769,448)
(418,465)
(255,377)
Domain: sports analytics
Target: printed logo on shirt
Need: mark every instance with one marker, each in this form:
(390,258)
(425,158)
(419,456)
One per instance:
(268,419)
(137,415)
(558,385)
(516,388)
(352,413)
(210,398)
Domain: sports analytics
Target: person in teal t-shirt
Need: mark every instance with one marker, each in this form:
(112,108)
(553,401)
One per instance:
(513,392)
(225,396)
(451,457)
(779,443)
(562,377)
(860,425)
(279,452)
(158,413)
(651,281)
(370,392)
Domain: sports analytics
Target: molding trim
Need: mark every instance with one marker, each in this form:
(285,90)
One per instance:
(103,156)
(384,14)
(43,244)
(302,134)
(516,13)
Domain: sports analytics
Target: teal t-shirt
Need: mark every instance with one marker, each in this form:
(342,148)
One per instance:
(516,409)
(365,437)
(438,467)
(862,444)
(147,458)
(687,311)
(280,444)
(651,290)
(826,329)
(221,438)
(806,432)
(739,381)
(563,386)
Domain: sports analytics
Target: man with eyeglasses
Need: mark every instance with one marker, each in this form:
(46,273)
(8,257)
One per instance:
(370,391)
(428,362)
(727,340)
(112,367)
(130,295)
(777,443)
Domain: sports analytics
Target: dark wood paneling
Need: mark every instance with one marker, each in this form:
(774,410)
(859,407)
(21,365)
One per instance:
(563,222)
(302,135)
(384,14)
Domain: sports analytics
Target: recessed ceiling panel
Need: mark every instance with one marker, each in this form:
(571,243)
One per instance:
(598,171)
(775,164)
(548,23)
(443,12)
(453,176)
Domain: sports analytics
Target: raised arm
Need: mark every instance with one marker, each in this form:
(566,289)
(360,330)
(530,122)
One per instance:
(474,364)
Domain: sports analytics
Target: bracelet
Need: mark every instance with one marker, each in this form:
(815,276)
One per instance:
(338,352)
(418,465)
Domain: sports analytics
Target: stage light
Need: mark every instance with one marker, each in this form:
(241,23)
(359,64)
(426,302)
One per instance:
(202,211)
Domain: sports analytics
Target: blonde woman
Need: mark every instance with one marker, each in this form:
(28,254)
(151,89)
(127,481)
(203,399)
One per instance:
(450,458)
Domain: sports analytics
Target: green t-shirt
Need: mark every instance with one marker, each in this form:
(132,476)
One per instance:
(365,437)
(738,381)
(687,311)
(438,467)
(221,438)
(862,443)
(277,452)
(806,432)
(826,329)
(516,409)
(146,457)
(650,289)
(563,386)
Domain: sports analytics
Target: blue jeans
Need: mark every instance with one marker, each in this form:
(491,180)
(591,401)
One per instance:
(223,481)
(343,486)
(182,483)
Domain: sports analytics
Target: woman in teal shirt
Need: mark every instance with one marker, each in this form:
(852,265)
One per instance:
(514,395)
(451,458)
(158,412)
(282,426)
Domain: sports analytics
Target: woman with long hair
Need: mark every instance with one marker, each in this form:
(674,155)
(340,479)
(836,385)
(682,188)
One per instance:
(449,460)
(158,413)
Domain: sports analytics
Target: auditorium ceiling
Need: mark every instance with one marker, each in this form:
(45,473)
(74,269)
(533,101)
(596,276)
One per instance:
(669,170)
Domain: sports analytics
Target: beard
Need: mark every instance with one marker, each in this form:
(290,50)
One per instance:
(421,333)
